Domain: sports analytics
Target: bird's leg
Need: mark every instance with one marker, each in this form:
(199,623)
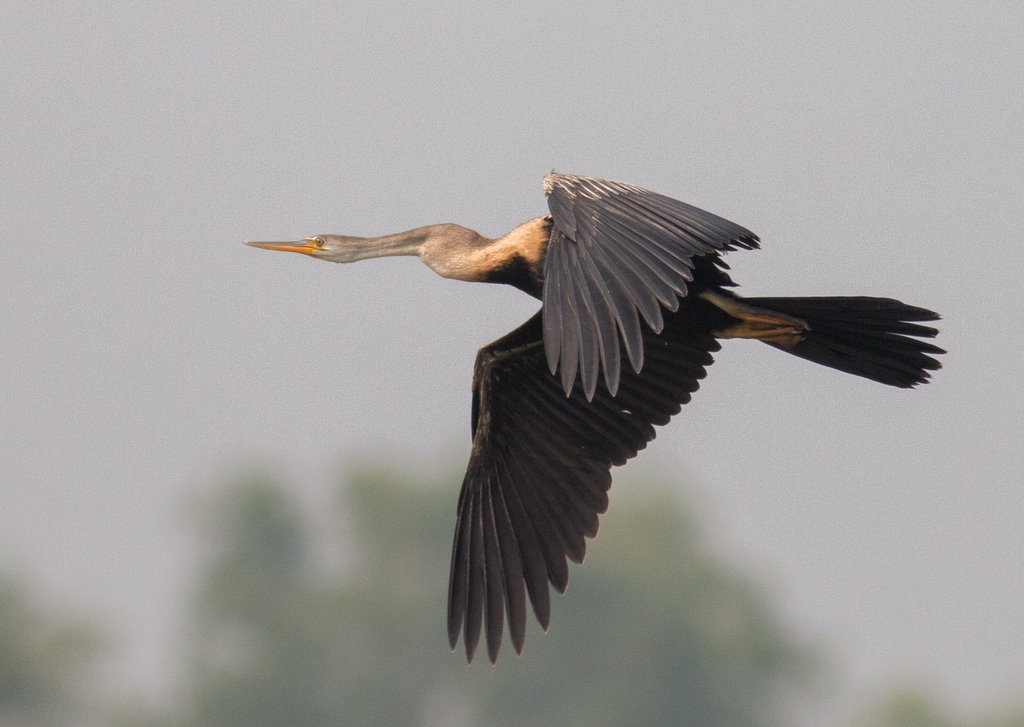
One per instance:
(753,322)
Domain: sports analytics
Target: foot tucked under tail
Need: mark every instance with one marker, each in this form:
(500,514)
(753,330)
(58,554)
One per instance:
(877,338)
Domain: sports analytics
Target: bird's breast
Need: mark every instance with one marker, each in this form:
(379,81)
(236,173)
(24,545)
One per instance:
(517,258)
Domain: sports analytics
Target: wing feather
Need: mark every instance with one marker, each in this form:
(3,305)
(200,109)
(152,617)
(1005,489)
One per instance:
(658,292)
(475,599)
(670,263)
(494,596)
(657,272)
(512,571)
(539,473)
(643,240)
(624,270)
(458,588)
(590,330)
(551,310)
(570,326)
(552,545)
(535,569)
(592,297)
(565,518)
(614,299)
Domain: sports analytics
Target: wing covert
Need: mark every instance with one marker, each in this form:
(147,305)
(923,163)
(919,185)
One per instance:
(539,472)
(617,251)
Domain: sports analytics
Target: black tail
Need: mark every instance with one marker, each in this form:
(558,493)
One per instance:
(876,338)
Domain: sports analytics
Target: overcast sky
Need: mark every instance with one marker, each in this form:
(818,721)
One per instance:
(875,147)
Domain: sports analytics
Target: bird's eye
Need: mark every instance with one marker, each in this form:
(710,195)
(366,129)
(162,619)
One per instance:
(318,241)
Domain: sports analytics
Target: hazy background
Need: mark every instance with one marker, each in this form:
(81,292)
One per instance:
(876,149)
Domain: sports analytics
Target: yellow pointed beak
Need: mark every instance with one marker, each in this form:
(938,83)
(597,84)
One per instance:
(309,246)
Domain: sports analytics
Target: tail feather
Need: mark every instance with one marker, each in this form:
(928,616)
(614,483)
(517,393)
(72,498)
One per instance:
(877,338)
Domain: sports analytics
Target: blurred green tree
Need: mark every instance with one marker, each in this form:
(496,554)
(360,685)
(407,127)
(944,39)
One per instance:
(44,662)
(912,706)
(655,630)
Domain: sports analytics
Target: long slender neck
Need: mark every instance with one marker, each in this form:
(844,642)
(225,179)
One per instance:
(410,242)
(449,249)
(516,258)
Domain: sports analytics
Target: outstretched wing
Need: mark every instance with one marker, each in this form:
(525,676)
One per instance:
(617,249)
(539,473)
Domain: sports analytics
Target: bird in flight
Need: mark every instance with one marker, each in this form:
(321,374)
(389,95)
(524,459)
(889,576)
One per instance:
(635,297)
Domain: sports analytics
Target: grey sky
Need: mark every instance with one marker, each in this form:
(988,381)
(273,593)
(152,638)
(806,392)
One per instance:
(875,148)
